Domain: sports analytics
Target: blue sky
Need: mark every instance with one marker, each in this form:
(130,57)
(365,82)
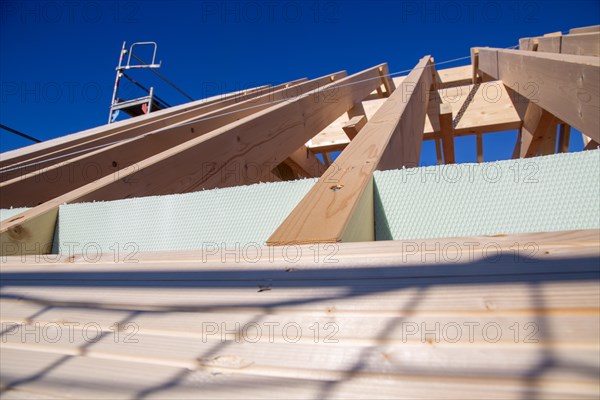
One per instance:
(58,58)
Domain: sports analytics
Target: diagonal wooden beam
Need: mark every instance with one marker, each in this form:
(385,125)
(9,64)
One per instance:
(53,148)
(225,157)
(537,127)
(567,86)
(340,205)
(40,186)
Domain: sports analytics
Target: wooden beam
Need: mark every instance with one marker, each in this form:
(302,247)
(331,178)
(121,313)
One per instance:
(451,77)
(585,29)
(305,163)
(88,138)
(447,132)
(479,140)
(484,108)
(354,126)
(568,86)
(40,186)
(83,144)
(327,159)
(357,109)
(537,126)
(387,81)
(564,138)
(591,145)
(242,152)
(475,64)
(548,144)
(586,44)
(340,205)
(438,151)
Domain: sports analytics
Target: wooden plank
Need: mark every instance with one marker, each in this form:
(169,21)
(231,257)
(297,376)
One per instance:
(537,125)
(73,150)
(548,144)
(587,44)
(484,108)
(356,110)
(42,185)
(475,65)
(591,145)
(339,206)
(354,126)
(568,86)
(50,148)
(387,81)
(447,132)
(550,44)
(586,29)
(305,163)
(548,246)
(479,140)
(564,138)
(326,159)
(438,151)
(261,141)
(451,77)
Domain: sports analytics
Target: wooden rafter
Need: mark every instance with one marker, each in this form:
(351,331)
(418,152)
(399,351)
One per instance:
(52,149)
(340,205)
(260,141)
(75,172)
(567,86)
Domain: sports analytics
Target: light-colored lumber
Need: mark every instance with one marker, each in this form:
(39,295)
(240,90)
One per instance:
(327,159)
(474,65)
(339,206)
(249,142)
(447,132)
(537,127)
(567,86)
(385,308)
(438,151)
(483,108)
(548,144)
(564,138)
(305,163)
(592,144)
(52,148)
(343,255)
(40,186)
(354,126)
(479,144)
(587,44)
(450,77)
(585,29)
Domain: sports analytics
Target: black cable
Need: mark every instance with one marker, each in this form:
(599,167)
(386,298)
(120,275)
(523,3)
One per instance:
(164,78)
(146,90)
(16,132)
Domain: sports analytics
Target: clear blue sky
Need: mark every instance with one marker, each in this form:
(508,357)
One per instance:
(58,58)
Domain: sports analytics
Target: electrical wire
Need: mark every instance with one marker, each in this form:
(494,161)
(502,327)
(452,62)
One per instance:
(16,132)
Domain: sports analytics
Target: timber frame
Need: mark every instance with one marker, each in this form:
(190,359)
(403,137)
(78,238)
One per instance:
(376,121)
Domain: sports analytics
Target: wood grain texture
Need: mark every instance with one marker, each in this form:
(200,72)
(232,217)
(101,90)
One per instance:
(64,144)
(46,183)
(390,317)
(391,139)
(567,86)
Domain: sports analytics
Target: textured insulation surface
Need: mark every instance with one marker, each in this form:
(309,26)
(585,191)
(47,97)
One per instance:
(542,194)
(242,214)
(6,213)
